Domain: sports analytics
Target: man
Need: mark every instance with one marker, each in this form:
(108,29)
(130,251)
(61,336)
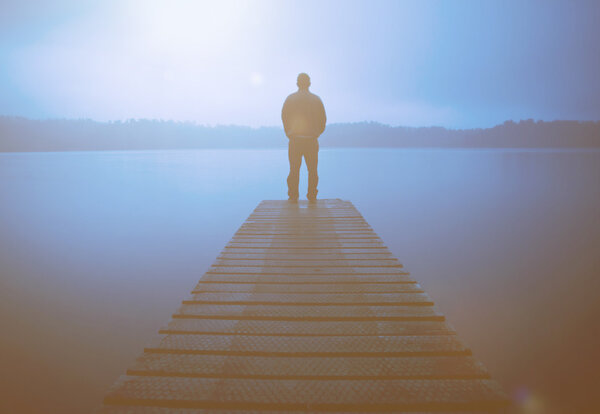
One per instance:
(303,117)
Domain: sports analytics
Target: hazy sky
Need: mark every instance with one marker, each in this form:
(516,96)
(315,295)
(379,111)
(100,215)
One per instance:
(451,63)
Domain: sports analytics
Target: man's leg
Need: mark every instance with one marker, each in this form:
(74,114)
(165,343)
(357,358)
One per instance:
(311,155)
(295,157)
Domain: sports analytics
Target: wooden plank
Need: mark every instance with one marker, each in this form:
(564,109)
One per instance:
(301,255)
(343,263)
(304,237)
(307,214)
(328,395)
(304,278)
(298,299)
(306,249)
(251,345)
(308,228)
(303,231)
(240,270)
(304,328)
(291,243)
(145,409)
(331,368)
(307,288)
(310,313)
(314,222)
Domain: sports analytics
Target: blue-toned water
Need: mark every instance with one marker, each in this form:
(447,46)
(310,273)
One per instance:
(98,248)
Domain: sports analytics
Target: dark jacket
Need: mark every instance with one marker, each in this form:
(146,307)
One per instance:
(303,115)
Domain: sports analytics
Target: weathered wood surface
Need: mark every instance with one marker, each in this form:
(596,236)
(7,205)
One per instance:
(305,310)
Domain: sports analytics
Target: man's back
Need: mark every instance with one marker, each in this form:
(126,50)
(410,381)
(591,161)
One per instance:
(303,115)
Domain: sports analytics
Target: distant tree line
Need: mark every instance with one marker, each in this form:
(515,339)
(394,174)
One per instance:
(22,134)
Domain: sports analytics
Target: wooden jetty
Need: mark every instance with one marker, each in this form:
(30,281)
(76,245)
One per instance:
(306,310)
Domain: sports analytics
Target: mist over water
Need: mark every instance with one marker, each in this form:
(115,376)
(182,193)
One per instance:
(97,249)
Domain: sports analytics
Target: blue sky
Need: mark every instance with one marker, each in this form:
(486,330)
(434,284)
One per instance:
(458,64)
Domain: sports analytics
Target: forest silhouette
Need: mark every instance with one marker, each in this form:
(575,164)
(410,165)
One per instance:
(22,134)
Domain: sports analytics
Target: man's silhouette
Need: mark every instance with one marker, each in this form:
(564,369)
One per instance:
(303,117)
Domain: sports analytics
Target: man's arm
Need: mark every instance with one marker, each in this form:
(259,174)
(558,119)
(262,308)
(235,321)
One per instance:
(285,117)
(322,117)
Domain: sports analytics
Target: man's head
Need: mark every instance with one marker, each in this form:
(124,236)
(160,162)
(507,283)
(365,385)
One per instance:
(303,81)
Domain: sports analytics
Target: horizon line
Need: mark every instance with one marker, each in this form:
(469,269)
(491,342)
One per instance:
(214,126)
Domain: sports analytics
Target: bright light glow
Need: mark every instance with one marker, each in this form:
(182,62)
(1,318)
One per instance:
(256,79)
(529,402)
(186,28)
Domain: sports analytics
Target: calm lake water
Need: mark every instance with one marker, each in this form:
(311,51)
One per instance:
(97,249)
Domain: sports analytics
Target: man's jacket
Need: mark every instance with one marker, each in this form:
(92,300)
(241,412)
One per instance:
(303,115)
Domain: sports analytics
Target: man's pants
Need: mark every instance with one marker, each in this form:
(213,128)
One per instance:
(309,148)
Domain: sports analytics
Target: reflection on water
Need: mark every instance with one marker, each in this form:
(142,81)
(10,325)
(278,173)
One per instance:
(97,249)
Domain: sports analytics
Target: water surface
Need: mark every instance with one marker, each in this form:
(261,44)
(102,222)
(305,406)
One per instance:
(97,249)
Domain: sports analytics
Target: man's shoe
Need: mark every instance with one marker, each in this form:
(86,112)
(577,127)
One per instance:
(293,199)
(312,199)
